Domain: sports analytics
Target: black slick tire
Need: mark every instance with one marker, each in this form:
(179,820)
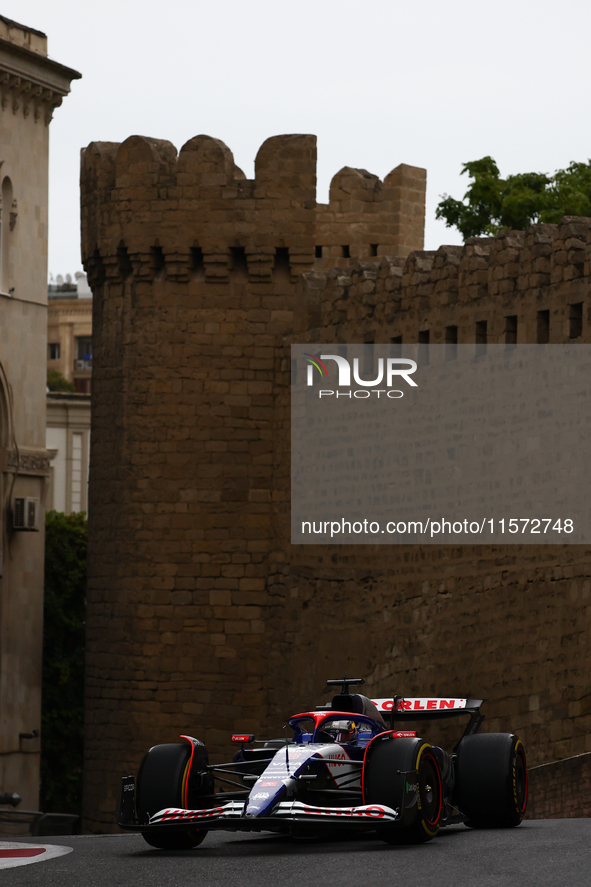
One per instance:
(160,783)
(386,770)
(491,780)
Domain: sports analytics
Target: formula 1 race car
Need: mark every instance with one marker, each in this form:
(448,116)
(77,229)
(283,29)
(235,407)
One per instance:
(343,768)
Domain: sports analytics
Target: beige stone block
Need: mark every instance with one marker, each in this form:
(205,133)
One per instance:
(220,597)
(225,653)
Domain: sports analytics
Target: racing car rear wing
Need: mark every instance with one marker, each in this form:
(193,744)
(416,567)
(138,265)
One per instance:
(401,708)
(425,708)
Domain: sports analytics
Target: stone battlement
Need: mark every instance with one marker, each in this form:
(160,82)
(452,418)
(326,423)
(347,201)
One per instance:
(197,212)
(518,275)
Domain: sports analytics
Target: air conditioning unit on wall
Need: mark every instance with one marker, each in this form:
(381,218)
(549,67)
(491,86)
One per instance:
(25,514)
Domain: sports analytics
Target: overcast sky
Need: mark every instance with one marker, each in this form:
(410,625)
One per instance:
(380,82)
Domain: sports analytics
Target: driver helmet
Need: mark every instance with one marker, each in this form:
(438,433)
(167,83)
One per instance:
(350,733)
(341,731)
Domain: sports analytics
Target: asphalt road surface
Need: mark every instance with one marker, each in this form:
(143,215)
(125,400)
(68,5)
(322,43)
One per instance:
(552,852)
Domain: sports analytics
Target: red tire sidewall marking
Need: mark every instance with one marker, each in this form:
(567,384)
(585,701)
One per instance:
(519,752)
(428,754)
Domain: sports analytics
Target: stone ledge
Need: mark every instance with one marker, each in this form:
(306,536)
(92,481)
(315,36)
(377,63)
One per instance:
(560,789)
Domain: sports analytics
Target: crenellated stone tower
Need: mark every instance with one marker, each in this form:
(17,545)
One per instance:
(193,269)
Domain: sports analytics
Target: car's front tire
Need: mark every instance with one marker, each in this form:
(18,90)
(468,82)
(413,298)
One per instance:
(384,782)
(491,780)
(161,783)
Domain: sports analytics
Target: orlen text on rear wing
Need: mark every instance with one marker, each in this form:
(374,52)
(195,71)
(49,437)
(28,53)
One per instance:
(426,708)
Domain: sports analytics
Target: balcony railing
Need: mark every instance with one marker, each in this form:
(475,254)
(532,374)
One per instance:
(83,364)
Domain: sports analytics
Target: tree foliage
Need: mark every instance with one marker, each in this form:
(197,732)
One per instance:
(492,203)
(62,715)
(57,382)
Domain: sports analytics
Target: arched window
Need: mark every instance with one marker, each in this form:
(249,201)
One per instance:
(5,282)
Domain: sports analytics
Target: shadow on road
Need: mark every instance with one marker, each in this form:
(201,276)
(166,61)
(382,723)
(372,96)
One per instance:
(285,845)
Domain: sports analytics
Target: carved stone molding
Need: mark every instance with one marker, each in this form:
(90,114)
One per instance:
(33,462)
(30,82)
(20,93)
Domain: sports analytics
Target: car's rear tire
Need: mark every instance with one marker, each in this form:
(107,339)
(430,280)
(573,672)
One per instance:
(384,782)
(491,780)
(160,783)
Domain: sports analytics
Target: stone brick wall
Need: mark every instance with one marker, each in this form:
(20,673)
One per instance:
(515,275)
(561,789)
(201,615)
(510,624)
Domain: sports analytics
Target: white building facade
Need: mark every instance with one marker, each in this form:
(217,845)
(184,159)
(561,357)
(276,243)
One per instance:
(68,445)
(31,87)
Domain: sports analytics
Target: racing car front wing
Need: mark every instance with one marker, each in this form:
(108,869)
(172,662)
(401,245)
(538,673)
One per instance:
(231,815)
(295,811)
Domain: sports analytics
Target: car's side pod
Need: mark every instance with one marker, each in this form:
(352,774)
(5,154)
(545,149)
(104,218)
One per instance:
(402,772)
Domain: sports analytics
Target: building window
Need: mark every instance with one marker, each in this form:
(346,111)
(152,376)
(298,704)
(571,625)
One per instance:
(575,321)
(346,251)
(396,349)
(123,261)
(76,475)
(239,263)
(481,337)
(281,262)
(543,327)
(451,341)
(157,260)
(82,386)
(373,249)
(318,252)
(53,350)
(196,261)
(83,353)
(423,349)
(6,225)
(511,329)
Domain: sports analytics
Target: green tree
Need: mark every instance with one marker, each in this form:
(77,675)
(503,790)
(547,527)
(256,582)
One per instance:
(62,713)
(57,382)
(492,203)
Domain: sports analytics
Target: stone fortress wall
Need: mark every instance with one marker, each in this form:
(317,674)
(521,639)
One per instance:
(520,287)
(510,624)
(201,615)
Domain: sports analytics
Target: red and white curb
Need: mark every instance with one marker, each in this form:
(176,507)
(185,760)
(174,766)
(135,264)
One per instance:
(12,854)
